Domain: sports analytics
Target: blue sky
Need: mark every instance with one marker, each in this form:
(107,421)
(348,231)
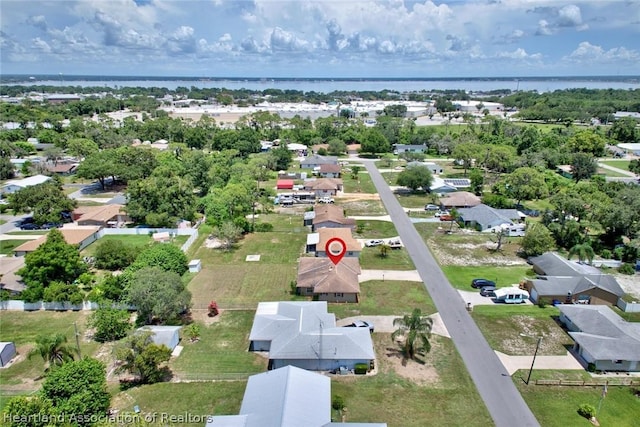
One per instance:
(330,38)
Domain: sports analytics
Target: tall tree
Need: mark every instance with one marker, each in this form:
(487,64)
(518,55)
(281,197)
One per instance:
(54,350)
(526,184)
(110,324)
(415,177)
(414,330)
(159,295)
(584,251)
(53,261)
(373,141)
(537,240)
(583,166)
(139,356)
(46,201)
(100,166)
(81,147)
(161,201)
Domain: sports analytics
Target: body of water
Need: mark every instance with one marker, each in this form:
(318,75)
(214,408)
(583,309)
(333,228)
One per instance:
(540,84)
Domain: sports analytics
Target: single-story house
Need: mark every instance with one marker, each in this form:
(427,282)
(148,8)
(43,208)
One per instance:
(15,185)
(325,234)
(324,186)
(61,168)
(282,397)
(329,171)
(631,147)
(330,216)
(316,160)
(409,148)
(483,217)
(603,338)
(7,352)
(9,279)
(434,168)
(82,237)
(460,199)
(321,279)
(299,150)
(571,282)
(305,335)
(284,184)
(101,216)
(168,336)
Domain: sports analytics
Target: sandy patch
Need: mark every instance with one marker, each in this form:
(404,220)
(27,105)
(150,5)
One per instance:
(391,359)
(630,284)
(464,254)
(213,243)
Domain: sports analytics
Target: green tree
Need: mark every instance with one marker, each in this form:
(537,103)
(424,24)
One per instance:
(624,130)
(228,233)
(139,356)
(28,411)
(374,141)
(100,166)
(81,147)
(115,255)
(6,168)
(587,141)
(465,154)
(63,293)
(477,181)
(165,256)
(78,389)
(414,331)
(337,147)
(583,166)
(395,110)
(110,324)
(634,166)
(537,240)
(415,177)
(584,251)
(53,261)
(46,201)
(53,349)
(159,295)
(526,184)
(134,163)
(355,170)
(161,201)
(281,157)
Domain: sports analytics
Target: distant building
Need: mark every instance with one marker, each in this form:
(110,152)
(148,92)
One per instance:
(15,185)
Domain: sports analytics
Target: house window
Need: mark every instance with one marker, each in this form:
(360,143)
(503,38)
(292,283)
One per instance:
(309,290)
(338,295)
(617,362)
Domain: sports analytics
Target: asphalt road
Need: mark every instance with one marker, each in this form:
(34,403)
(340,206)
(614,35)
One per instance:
(500,395)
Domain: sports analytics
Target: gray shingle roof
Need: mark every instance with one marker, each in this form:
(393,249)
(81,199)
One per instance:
(602,333)
(487,216)
(163,335)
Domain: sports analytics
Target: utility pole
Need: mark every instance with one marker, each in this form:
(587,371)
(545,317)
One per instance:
(534,359)
(75,326)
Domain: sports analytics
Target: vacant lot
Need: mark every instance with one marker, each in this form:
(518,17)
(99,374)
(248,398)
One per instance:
(620,164)
(395,259)
(361,185)
(372,229)
(363,207)
(460,277)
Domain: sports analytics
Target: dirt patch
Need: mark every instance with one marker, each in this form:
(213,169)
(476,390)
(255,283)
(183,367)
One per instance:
(517,345)
(358,196)
(630,284)
(469,254)
(202,316)
(390,359)
(213,243)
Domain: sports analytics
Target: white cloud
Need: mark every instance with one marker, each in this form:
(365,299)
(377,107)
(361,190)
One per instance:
(589,53)
(41,45)
(282,40)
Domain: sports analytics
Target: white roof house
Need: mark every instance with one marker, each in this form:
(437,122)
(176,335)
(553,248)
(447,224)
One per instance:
(282,398)
(18,184)
(303,334)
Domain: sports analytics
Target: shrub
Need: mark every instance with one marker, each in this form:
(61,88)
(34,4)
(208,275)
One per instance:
(606,254)
(542,303)
(627,269)
(591,367)
(587,411)
(263,227)
(361,368)
(115,255)
(337,403)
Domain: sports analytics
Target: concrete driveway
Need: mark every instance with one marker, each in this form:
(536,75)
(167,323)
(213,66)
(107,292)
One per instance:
(385,323)
(475,298)
(407,276)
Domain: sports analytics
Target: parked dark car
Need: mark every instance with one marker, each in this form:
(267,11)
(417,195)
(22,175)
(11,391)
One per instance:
(488,291)
(29,226)
(50,225)
(481,283)
(360,324)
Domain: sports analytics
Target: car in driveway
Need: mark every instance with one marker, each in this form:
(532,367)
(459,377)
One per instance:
(481,283)
(360,324)
(50,225)
(431,207)
(29,226)
(488,291)
(373,242)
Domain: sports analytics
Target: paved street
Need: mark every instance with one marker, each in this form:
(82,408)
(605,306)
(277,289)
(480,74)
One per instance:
(504,402)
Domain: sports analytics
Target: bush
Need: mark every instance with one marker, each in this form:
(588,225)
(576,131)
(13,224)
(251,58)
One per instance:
(542,303)
(627,269)
(587,411)
(361,368)
(591,367)
(606,254)
(115,255)
(263,227)
(163,255)
(337,403)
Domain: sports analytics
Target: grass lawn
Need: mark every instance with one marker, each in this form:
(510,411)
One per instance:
(386,298)
(7,246)
(557,406)
(460,277)
(2,221)
(620,164)
(609,172)
(23,327)
(502,325)
(449,399)
(372,229)
(363,207)
(140,240)
(362,185)
(414,201)
(222,350)
(396,259)
(28,233)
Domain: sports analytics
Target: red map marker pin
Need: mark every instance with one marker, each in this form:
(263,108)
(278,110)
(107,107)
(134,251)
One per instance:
(336,254)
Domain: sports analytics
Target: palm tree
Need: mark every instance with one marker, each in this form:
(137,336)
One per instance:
(384,250)
(584,252)
(413,327)
(54,350)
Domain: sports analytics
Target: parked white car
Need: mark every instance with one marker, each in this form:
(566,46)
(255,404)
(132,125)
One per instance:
(373,242)
(326,199)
